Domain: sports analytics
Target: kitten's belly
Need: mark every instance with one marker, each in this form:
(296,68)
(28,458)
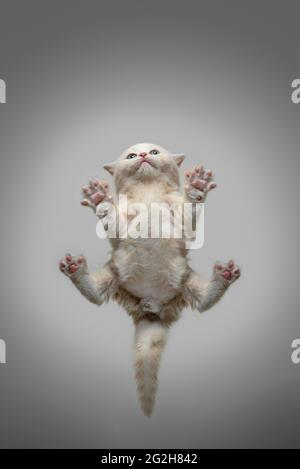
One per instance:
(150,268)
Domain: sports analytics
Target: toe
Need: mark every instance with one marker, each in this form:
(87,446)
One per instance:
(86,190)
(104,185)
(198,169)
(85,202)
(211,186)
(237,272)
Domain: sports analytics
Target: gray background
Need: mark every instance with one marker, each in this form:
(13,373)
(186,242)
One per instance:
(86,79)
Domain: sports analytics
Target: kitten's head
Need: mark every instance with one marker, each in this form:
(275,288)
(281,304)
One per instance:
(145,162)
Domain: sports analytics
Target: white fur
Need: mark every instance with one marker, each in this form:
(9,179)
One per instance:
(149,277)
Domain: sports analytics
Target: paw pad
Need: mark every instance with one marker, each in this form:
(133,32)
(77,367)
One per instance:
(95,193)
(198,183)
(229,272)
(69,265)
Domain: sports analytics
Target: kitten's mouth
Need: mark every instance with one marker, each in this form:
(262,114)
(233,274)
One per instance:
(146,162)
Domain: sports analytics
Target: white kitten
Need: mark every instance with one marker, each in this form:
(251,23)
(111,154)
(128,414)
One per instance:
(150,278)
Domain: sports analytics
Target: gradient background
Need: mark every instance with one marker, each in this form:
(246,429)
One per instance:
(86,79)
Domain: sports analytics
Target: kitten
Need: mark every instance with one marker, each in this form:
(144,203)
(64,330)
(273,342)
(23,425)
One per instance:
(150,278)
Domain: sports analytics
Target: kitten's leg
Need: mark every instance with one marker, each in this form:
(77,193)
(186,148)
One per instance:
(202,295)
(97,287)
(97,196)
(198,183)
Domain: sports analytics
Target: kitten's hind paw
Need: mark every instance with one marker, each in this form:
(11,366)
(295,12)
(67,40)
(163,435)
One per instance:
(228,273)
(95,193)
(72,266)
(198,183)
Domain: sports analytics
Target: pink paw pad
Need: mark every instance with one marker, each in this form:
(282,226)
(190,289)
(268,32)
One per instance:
(226,274)
(198,183)
(97,198)
(95,193)
(71,264)
(73,268)
(229,272)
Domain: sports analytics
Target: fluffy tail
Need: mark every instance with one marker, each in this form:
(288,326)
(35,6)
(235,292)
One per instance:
(150,339)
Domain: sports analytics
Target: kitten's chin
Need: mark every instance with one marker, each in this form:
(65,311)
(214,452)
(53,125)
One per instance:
(146,169)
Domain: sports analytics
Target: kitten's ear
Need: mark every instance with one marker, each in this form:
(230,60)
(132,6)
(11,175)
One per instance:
(110,167)
(179,159)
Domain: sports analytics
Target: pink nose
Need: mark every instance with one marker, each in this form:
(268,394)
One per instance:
(143,154)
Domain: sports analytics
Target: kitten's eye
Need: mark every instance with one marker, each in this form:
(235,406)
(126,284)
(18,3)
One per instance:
(154,152)
(130,156)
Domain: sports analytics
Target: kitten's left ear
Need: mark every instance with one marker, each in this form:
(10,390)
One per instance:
(179,159)
(110,167)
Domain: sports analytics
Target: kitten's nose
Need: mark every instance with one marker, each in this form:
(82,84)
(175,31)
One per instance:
(143,154)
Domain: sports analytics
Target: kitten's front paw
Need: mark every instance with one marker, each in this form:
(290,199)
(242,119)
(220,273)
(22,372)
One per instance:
(228,273)
(72,266)
(96,193)
(198,183)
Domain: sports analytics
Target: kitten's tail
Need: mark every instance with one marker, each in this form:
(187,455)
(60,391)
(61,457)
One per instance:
(150,339)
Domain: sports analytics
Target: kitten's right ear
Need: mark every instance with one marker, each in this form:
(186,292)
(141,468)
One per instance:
(179,158)
(110,167)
